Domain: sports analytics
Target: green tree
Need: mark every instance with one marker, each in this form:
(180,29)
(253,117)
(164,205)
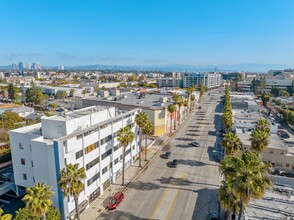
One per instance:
(231,143)
(284,93)
(265,97)
(39,98)
(259,141)
(72,93)
(31,93)
(5,216)
(103,88)
(84,92)
(12,92)
(247,176)
(71,184)
(192,101)
(25,214)
(227,120)
(141,120)
(147,129)
(228,199)
(171,108)
(176,98)
(132,78)
(38,199)
(53,105)
(125,137)
(255,85)
(189,92)
(201,90)
(263,125)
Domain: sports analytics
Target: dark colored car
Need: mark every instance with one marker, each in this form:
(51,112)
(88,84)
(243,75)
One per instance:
(285,136)
(167,155)
(115,200)
(174,163)
(195,144)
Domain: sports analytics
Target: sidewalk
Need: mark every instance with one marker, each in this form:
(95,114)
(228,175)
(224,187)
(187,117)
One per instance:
(97,207)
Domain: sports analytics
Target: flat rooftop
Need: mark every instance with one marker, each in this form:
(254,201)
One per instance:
(277,203)
(150,101)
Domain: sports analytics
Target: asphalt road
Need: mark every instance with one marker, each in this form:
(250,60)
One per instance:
(188,191)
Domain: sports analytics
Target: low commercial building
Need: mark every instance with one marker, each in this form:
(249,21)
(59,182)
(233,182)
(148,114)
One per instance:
(88,137)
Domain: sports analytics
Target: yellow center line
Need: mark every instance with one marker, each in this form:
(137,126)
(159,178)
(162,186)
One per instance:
(174,201)
(158,203)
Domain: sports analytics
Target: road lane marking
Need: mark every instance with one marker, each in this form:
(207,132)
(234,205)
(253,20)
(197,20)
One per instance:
(158,203)
(174,201)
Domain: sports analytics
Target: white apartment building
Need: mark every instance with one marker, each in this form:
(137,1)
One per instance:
(169,82)
(88,137)
(211,80)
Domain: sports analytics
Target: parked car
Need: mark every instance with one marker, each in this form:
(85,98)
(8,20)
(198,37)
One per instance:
(115,200)
(281,132)
(195,144)
(174,163)
(285,136)
(167,155)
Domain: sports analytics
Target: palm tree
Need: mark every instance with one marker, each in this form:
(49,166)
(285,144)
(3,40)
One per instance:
(227,120)
(262,125)
(141,119)
(185,103)
(38,200)
(228,200)
(231,143)
(259,141)
(176,97)
(247,176)
(171,108)
(202,91)
(147,129)
(192,100)
(189,92)
(71,184)
(5,216)
(180,103)
(125,137)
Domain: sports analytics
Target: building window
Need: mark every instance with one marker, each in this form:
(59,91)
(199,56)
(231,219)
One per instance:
(79,154)
(65,143)
(110,165)
(92,163)
(20,145)
(271,152)
(22,161)
(117,147)
(104,170)
(105,140)
(116,161)
(106,154)
(120,157)
(32,163)
(30,147)
(133,147)
(91,148)
(93,179)
(24,176)
(33,179)
(79,136)
(287,165)
(128,151)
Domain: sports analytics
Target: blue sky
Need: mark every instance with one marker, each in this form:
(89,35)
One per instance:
(148,32)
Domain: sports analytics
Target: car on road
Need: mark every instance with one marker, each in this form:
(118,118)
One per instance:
(174,163)
(213,216)
(166,155)
(115,200)
(195,144)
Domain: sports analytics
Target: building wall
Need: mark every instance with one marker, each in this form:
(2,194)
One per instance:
(279,158)
(82,147)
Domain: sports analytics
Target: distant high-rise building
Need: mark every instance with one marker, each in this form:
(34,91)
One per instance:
(60,67)
(29,66)
(36,66)
(20,66)
(14,66)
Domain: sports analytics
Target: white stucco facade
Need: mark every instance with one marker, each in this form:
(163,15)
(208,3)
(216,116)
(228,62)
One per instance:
(87,137)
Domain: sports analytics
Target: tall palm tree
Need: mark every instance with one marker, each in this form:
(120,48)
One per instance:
(38,200)
(5,216)
(180,103)
(263,125)
(231,143)
(141,119)
(202,91)
(189,92)
(192,101)
(176,97)
(259,141)
(227,198)
(147,129)
(227,120)
(171,108)
(247,175)
(185,103)
(71,184)
(125,137)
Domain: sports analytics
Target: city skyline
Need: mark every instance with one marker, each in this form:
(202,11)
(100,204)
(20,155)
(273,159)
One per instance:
(147,33)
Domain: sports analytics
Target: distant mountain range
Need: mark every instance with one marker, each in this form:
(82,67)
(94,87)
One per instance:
(262,68)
